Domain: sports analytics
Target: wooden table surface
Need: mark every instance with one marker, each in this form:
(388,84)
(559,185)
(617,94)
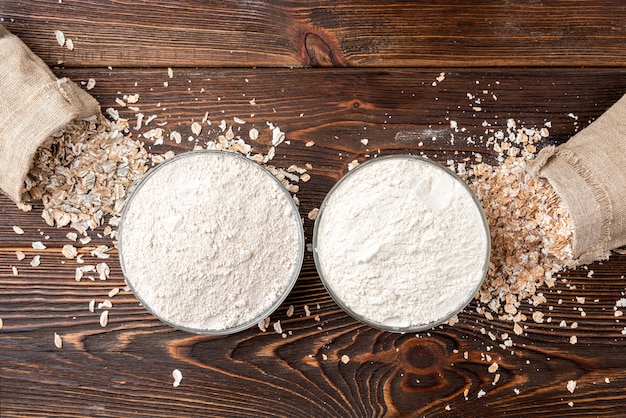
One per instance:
(334,73)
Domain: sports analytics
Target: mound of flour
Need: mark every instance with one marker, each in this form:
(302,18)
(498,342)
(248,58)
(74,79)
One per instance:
(210,241)
(401,243)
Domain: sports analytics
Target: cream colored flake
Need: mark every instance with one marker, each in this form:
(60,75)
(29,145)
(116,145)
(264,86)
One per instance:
(38,245)
(176,137)
(103,270)
(69,251)
(312,215)
(571,386)
(60,37)
(196,128)
(36,261)
(104,318)
(253,134)
(178,377)
(18,230)
(58,341)
(493,367)
(105,304)
(20,255)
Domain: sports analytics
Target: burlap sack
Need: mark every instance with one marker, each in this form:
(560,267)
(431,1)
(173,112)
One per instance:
(34,105)
(589,173)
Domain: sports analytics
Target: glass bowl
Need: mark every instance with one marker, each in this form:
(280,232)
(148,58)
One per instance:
(338,273)
(201,286)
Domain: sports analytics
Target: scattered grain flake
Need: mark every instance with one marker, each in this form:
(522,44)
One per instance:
(238,121)
(18,230)
(607,380)
(104,318)
(170,72)
(20,255)
(69,251)
(481,393)
(103,270)
(290,311)
(571,386)
(493,367)
(176,137)
(353,164)
(264,323)
(58,341)
(178,377)
(365,141)
(69,44)
(113,292)
(79,274)
(305,177)
(15,271)
(91,83)
(307,311)
(60,37)
(38,245)
(36,261)
(92,305)
(312,215)
(253,134)
(309,144)
(72,236)
(573,339)
(196,128)
(538,317)
(277,327)
(278,136)
(101,252)
(105,304)
(1,323)
(345,359)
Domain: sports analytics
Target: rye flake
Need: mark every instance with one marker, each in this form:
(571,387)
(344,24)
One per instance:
(82,174)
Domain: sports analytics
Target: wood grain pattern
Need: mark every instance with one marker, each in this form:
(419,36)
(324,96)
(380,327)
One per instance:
(323,33)
(227,54)
(125,368)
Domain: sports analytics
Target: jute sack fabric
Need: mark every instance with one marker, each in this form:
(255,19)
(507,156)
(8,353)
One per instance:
(34,105)
(588,172)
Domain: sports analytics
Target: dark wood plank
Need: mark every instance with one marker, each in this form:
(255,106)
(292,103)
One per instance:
(354,33)
(125,369)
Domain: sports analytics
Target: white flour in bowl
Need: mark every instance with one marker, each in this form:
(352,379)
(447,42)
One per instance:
(401,243)
(210,242)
